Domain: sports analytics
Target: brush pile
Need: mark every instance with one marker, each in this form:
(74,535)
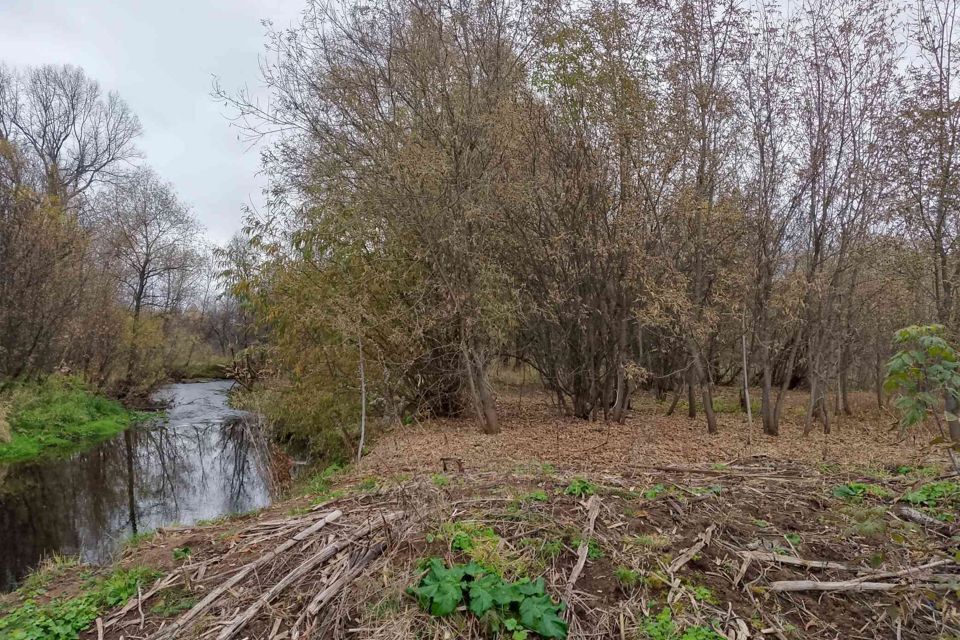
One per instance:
(747,550)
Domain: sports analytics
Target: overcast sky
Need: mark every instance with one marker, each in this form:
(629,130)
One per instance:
(161,56)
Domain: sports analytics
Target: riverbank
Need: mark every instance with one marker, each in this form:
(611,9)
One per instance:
(203,459)
(57,418)
(752,548)
(650,529)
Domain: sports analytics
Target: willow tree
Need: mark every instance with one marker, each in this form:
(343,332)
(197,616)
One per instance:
(394,120)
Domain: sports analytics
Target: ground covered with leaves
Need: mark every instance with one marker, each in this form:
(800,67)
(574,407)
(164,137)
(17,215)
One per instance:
(533,430)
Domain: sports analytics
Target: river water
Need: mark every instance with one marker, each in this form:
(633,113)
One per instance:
(203,460)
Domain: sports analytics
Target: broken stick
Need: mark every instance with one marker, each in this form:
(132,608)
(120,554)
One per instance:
(173,629)
(593,510)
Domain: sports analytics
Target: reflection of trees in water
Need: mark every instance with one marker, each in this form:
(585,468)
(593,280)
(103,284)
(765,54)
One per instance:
(60,506)
(183,471)
(147,478)
(244,457)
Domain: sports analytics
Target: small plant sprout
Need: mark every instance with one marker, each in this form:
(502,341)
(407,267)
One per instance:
(580,488)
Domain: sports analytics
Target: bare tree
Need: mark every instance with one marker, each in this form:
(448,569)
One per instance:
(151,237)
(77,135)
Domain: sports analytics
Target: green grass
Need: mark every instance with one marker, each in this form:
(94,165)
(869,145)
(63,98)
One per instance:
(664,627)
(215,369)
(57,418)
(626,576)
(654,541)
(66,618)
(174,601)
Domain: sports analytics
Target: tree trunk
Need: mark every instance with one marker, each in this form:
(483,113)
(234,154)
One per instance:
(691,394)
(363,403)
(844,383)
(706,387)
(878,382)
(483,401)
(952,407)
(676,398)
(623,387)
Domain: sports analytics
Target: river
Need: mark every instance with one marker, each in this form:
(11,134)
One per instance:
(203,460)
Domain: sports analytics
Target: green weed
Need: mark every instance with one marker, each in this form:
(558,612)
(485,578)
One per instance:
(626,576)
(856,491)
(594,550)
(655,492)
(663,627)
(171,602)
(935,494)
(64,619)
(521,606)
(580,488)
(649,541)
(537,495)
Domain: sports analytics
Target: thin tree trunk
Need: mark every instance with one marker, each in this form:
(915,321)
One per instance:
(483,400)
(878,382)
(771,426)
(363,403)
(844,382)
(952,407)
(706,388)
(623,386)
(746,377)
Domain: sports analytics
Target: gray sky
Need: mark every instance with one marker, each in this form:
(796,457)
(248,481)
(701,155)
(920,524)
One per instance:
(161,56)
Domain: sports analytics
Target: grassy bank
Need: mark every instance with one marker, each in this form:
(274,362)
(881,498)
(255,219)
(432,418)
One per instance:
(62,598)
(57,418)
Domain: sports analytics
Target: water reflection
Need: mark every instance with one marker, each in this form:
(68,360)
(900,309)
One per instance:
(204,460)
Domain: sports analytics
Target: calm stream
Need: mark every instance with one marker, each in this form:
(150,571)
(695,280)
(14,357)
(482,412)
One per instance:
(203,461)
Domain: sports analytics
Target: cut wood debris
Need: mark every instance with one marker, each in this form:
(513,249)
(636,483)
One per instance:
(752,557)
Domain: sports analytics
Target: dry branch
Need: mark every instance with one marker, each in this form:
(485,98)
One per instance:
(173,629)
(702,540)
(593,510)
(322,598)
(301,570)
(850,585)
(785,559)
